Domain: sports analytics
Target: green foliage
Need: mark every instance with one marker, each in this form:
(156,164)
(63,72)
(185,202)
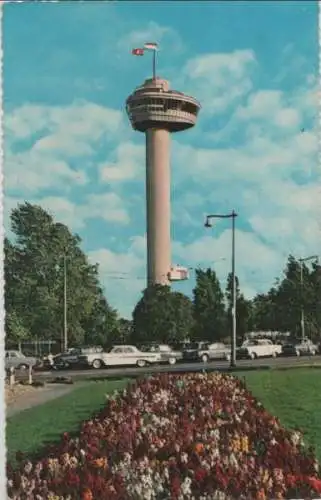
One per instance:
(209,309)
(42,253)
(162,315)
(280,308)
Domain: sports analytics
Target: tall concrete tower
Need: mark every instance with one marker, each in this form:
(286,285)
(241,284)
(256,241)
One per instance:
(157,111)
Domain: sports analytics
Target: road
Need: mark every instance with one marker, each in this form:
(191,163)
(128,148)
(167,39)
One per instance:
(180,367)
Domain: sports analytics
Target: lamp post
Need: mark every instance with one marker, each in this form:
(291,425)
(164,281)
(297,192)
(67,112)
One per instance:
(65,342)
(63,267)
(302,260)
(232,216)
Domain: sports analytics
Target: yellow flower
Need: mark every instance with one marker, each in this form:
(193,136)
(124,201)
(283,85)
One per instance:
(101,463)
(245,444)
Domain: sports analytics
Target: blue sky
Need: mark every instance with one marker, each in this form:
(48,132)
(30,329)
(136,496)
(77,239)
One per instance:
(253,66)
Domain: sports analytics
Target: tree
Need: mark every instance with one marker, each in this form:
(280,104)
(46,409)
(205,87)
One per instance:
(264,312)
(280,308)
(209,309)
(162,315)
(243,308)
(294,294)
(16,331)
(35,265)
(315,305)
(101,326)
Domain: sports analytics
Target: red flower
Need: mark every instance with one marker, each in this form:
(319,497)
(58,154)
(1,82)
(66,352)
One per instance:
(315,483)
(200,475)
(175,487)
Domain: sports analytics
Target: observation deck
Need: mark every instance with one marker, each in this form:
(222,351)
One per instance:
(153,105)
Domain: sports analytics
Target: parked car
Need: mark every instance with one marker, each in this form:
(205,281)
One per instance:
(205,351)
(215,351)
(16,359)
(190,351)
(304,347)
(70,358)
(124,355)
(168,355)
(258,348)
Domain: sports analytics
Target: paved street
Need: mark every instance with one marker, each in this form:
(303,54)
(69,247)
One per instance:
(180,367)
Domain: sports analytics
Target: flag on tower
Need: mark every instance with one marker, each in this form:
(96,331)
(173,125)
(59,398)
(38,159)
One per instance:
(151,46)
(138,52)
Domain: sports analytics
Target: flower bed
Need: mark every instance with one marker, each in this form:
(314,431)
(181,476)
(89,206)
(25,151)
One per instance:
(195,436)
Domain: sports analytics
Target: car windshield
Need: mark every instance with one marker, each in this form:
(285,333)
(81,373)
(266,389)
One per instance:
(197,345)
(149,348)
(249,343)
(72,352)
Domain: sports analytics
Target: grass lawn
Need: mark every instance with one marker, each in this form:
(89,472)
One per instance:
(292,395)
(32,429)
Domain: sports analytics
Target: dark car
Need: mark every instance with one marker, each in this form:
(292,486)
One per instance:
(304,347)
(70,359)
(191,351)
(168,355)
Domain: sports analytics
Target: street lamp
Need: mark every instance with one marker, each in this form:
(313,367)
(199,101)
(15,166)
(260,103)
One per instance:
(208,224)
(65,306)
(302,260)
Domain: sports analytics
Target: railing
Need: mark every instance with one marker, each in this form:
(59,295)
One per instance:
(12,372)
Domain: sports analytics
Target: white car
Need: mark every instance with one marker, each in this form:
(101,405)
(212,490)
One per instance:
(258,348)
(17,360)
(122,355)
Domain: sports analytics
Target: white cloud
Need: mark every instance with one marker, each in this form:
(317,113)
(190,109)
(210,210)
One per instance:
(108,207)
(129,164)
(32,171)
(165,36)
(287,118)
(255,273)
(219,80)
(261,104)
(270,106)
(58,135)
(123,274)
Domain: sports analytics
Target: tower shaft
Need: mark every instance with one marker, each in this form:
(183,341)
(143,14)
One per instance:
(158,206)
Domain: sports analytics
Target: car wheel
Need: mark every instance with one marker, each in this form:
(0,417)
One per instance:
(23,367)
(141,363)
(172,361)
(253,355)
(96,364)
(204,358)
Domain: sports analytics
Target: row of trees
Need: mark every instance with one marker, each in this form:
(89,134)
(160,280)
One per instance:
(34,275)
(207,315)
(171,316)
